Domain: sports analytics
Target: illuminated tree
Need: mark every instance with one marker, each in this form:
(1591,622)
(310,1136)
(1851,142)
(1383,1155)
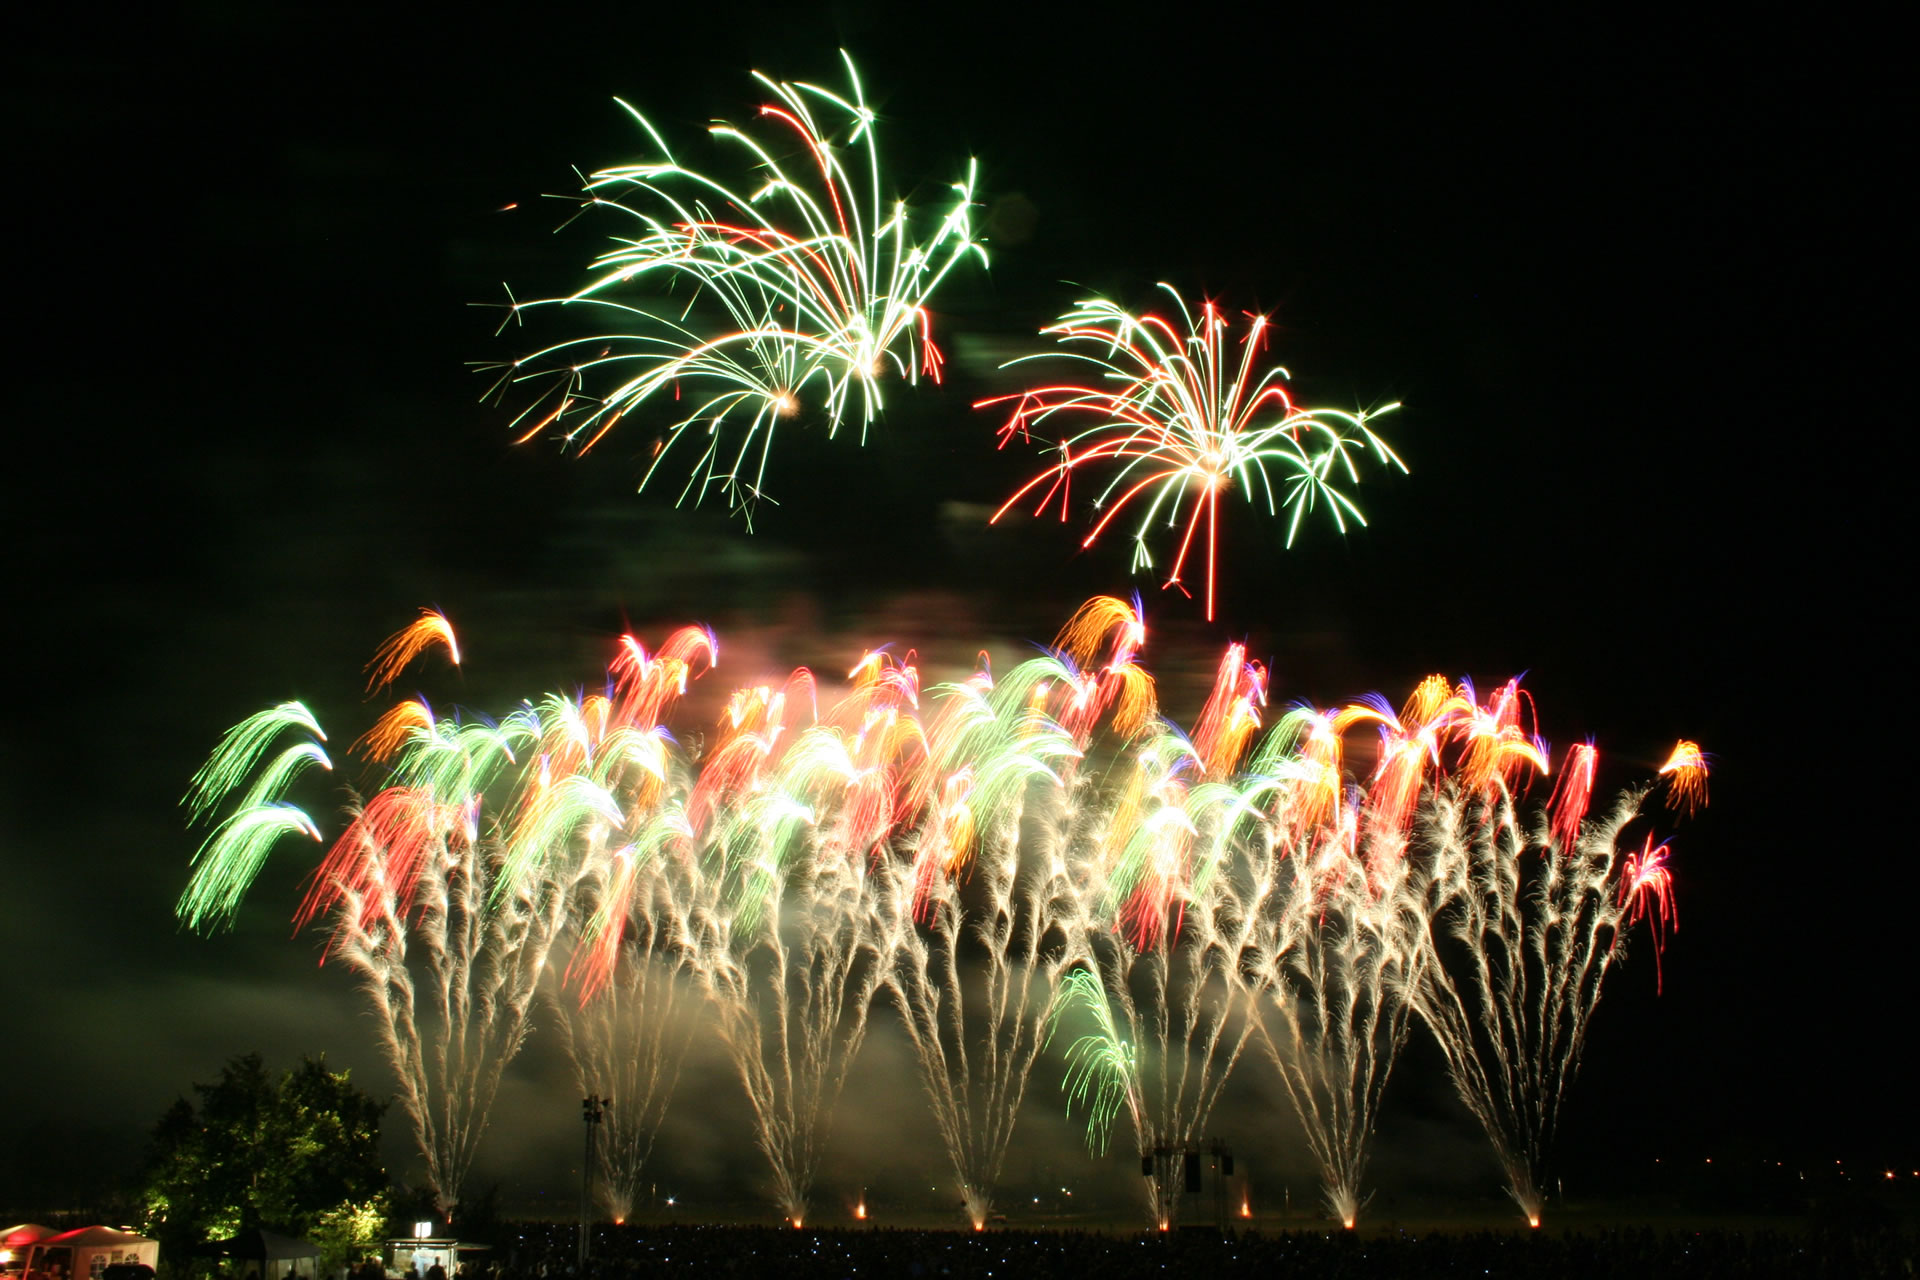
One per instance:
(297,1152)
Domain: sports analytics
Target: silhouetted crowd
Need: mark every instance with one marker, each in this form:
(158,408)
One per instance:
(550,1252)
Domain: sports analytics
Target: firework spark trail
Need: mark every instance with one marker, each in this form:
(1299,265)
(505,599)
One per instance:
(792,984)
(810,279)
(973,882)
(630,1039)
(622,1004)
(1337,969)
(479,965)
(1646,888)
(1522,932)
(231,856)
(1176,426)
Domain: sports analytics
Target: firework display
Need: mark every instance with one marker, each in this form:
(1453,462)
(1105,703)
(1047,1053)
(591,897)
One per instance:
(1009,862)
(790,299)
(1177,426)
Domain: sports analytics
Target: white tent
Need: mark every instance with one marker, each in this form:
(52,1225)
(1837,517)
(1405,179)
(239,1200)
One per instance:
(85,1253)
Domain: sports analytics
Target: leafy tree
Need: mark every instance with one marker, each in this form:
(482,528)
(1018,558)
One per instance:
(297,1152)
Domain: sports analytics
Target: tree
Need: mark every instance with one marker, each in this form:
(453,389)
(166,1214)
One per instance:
(296,1152)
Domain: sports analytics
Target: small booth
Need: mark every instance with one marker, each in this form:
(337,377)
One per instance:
(419,1255)
(86,1253)
(415,1256)
(270,1256)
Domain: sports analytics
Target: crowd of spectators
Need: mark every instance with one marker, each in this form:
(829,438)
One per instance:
(550,1252)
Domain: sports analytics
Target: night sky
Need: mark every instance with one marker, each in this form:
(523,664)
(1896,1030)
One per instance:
(1631,282)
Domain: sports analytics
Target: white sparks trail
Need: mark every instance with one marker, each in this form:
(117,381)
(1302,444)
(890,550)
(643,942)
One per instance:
(1337,981)
(1523,930)
(627,1044)
(791,986)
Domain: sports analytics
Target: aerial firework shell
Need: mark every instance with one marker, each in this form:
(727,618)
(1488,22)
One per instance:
(801,293)
(1176,427)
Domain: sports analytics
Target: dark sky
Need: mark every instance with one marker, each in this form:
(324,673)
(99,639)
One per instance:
(1632,282)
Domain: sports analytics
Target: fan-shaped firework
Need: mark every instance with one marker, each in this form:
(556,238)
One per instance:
(233,853)
(1177,425)
(1523,929)
(743,307)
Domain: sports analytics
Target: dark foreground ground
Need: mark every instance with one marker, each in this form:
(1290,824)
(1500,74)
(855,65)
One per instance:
(550,1251)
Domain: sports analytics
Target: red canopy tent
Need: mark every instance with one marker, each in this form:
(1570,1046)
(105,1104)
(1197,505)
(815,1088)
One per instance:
(15,1241)
(86,1252)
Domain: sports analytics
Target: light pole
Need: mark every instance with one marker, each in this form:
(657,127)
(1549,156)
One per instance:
(591,1107)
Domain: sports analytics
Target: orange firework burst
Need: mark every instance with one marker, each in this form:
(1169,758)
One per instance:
(1084,636)
(395,728)
(1686,775)
(406,644)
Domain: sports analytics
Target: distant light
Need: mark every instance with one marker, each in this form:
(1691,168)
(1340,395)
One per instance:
(422,1230)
